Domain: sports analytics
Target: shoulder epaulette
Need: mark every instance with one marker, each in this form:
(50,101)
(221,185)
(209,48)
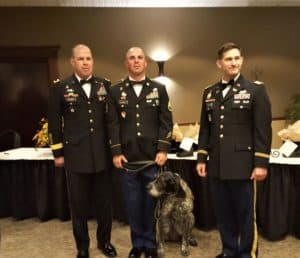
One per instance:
(157,82)
(258,82)
(56,81)
(106,79)
(117,82)
(208,86)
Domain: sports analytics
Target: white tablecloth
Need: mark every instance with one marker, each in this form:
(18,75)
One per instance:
(46,154)
(27,154)
(275,158)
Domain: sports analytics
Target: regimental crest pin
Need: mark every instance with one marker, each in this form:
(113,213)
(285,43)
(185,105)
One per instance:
(123,114)
(102,91)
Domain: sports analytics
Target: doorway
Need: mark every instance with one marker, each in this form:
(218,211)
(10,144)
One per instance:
(25,76)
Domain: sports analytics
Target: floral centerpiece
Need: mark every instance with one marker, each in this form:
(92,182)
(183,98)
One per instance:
(292,132)
(41,137)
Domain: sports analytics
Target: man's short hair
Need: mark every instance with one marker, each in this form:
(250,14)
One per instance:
(226,47)
(80,45)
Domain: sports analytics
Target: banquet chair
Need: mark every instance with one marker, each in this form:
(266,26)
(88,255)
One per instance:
(9,139)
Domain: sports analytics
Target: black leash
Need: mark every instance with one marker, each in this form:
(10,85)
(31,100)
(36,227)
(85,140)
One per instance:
(137,166)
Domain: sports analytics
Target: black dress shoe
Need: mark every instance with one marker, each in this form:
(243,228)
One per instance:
(222,255)
(135,252)
(151,253)
(108,250)
(83,254)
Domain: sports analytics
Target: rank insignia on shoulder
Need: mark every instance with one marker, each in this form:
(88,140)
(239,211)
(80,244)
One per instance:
(56,80)
(208,95)
(106,79)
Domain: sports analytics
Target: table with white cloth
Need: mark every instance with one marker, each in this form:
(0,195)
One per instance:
(32,187)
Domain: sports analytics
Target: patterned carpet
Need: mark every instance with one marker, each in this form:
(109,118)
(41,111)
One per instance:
(34,239)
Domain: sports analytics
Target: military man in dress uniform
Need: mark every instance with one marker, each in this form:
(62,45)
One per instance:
(235,136)
(79,142)
(140,124)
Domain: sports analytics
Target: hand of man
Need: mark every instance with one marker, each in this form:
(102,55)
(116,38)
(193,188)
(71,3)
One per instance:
(259,174)
(118,160)
(201,169)
(161,158)
(59,162)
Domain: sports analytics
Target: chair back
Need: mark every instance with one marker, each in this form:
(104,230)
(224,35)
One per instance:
(9,139)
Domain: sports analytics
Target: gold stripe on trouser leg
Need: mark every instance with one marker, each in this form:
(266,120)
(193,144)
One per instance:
(255,236)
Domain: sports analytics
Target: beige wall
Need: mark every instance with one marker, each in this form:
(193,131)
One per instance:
(269,36)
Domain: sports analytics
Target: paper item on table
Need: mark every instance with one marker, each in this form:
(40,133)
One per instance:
(288,148)
(186,143)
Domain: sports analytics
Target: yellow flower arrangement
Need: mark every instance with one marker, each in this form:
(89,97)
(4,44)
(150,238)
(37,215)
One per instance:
(41,137)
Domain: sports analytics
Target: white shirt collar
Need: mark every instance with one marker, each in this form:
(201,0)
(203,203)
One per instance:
(131,79)
(235,79)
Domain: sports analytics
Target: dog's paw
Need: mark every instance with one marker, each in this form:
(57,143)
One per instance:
(160,252)
(185,252)
(193,242)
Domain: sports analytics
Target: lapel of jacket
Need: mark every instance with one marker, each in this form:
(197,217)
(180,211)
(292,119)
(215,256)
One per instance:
(128,89)
(77,85)
(238,85)
(218,93)
(95,87)
(147,88)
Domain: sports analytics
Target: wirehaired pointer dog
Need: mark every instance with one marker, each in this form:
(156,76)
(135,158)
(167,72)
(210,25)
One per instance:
(174,211)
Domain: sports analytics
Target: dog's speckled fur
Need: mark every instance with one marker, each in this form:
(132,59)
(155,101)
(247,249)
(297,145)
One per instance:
(175,219)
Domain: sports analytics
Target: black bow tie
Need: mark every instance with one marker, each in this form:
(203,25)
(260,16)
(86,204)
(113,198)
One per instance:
(137,82)
(85,81)
(224,85)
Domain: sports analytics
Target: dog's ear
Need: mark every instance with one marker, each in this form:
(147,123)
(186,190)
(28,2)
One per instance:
(170,185)
(180,193)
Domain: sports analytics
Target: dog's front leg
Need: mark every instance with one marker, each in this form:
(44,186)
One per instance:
(160,249)
(160,239)
(185,245)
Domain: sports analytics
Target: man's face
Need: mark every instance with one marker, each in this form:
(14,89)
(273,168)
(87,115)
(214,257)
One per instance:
(82,62)
(230,63)
(135,62)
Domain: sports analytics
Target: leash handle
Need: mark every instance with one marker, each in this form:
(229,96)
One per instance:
(135,167)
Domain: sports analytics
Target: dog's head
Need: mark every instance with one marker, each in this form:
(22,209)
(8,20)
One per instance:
(166,183)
